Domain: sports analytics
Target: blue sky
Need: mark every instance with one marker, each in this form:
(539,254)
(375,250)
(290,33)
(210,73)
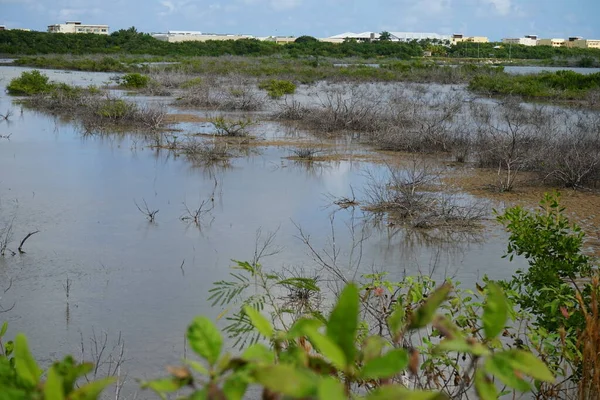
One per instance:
(492,18)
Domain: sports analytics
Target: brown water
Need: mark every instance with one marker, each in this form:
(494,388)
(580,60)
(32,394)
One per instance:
(125,272)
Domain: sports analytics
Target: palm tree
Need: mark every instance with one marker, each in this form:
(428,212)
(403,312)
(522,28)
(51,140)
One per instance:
(385,36)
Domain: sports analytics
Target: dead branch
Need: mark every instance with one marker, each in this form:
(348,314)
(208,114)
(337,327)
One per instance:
(150,214)
(30,234)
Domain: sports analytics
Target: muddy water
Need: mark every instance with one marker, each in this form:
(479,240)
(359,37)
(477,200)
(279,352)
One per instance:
(126,274)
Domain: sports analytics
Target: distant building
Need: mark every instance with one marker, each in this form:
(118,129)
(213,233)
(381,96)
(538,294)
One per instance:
(410,36)
(394,37)
(551,42)
(195,36)
(582,43)
(359,37)
(528,40)
(2,27)
(460,38)
(279,39)
(78,27)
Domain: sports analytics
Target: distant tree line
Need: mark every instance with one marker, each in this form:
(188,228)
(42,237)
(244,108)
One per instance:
(130,41)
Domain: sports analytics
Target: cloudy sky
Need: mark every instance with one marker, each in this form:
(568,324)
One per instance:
(492,18)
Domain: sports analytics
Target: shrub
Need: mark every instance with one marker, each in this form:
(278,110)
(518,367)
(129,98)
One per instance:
(553,248)
(234,128)
(135,80)
(115,109)
(278,88)
(29,83)
(191,83)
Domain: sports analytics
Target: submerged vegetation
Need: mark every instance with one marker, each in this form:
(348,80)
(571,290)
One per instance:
(96,110)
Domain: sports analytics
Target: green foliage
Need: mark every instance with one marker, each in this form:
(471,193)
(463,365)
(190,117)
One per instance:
(338,361)
(306,39)
(385,36)
(30,83)
(135,80)
(22,378)
(553,249)
(278,88)
(191,83)
(232,128)
(114,109)
(547,291)
(561,84)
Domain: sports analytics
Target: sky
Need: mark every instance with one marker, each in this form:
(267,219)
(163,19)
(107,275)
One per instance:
(320,18)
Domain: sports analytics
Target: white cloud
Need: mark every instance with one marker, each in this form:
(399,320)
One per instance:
(170,7)
(502,6)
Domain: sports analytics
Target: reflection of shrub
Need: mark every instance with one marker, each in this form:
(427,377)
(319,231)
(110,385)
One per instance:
(135,80)
(29,83)
(277,88)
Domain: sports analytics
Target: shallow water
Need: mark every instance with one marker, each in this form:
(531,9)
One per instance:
(127,275)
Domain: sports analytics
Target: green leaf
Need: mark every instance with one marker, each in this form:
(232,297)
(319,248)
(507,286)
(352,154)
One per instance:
(372,348)
(164,385)
(196,366)
(398,392)
(424,314)
(201,394)
(259,322)
(4,329)
(25,365)
(258,352)
(53,388)
(235,386)
(92,390)
(205,339)
(462,346)
(386,366)
(495,311)
(331,389)
(529,364)
(486,389)
(299,328)
(328,348)
(396,319)
(500,366)
(287,380)
(343,321)
(301,283)
(9,348)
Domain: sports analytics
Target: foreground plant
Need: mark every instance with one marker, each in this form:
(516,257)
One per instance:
(324,359)
(22,378)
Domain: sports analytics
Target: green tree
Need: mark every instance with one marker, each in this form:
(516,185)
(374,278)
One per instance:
(306,39)
(385,36)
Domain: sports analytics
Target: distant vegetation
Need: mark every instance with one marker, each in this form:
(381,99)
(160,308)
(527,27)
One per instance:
(561,85)
(130,41)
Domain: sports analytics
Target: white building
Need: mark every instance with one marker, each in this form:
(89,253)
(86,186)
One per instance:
(78,27)
(196,36)
(394,36)
(529,40)
(410,36)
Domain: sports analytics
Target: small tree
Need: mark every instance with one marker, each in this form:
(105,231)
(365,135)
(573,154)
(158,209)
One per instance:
(385,36)
(306,39)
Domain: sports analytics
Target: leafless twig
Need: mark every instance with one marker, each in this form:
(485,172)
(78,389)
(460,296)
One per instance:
(30,234)
(150,214)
